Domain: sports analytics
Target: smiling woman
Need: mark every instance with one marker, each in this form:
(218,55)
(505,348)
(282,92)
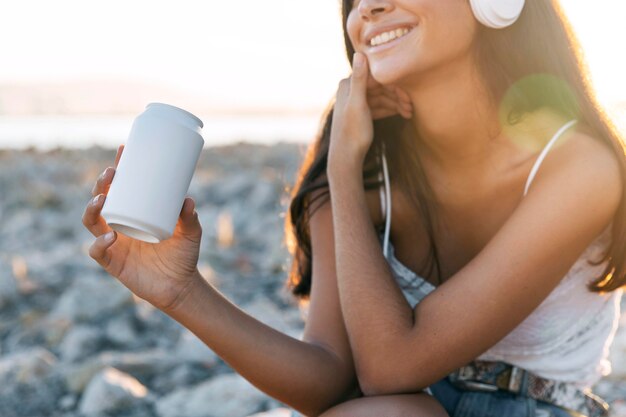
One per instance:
(494,292)
(507,295)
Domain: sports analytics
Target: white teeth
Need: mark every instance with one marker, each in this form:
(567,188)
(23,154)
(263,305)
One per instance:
(388,36)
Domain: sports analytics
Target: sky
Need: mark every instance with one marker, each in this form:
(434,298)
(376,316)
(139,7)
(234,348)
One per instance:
(248,52)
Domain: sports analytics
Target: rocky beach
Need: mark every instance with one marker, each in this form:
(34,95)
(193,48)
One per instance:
(75,342)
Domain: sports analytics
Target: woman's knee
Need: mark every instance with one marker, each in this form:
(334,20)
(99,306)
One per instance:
(401,405)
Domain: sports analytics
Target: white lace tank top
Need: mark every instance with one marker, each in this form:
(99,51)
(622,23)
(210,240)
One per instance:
(567,337)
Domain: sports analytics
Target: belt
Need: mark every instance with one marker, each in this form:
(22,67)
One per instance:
(493,376)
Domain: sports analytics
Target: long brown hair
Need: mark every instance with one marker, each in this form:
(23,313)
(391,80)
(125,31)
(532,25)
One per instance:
(535,64)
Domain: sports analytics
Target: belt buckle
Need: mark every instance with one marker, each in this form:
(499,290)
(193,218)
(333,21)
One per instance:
(515,379)
(464,373)
(476,386)
(463,376)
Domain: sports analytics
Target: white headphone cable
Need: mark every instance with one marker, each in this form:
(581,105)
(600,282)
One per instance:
(387,202)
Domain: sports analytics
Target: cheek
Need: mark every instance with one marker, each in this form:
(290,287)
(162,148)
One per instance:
(455,20)
(352,29)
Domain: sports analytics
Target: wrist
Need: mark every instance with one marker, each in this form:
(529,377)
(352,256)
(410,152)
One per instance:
(344,170)
(185,299)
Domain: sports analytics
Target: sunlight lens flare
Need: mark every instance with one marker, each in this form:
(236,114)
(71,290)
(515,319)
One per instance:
(534,108)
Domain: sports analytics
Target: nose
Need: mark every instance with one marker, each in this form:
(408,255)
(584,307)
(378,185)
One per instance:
(369,8)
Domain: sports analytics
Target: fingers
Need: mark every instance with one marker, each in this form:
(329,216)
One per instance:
(103,182)
(388,100)
(91,216)
(99,248)
(382,113)
(403,95)
(382,107)
(120,149)
(405,110)
(387,104)
(92,219)
(383,102)
(189,223)
(358,79)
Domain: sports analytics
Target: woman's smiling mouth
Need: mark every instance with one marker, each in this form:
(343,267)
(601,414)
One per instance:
(388,39)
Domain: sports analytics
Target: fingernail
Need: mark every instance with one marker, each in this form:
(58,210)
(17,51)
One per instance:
(357,60)
(95,200)
(109,236)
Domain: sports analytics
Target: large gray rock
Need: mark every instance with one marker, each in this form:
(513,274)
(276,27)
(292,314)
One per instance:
(67,402)
(110,391)
(90,298)
(48,267)
(227,395)
(121,330)
(9,291)
(80,342)
(32,328)
(143,363)
(55,330)
(27,366)
(157,328)
(38,397)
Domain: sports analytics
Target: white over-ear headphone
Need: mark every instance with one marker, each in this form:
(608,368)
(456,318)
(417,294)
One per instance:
(497,14)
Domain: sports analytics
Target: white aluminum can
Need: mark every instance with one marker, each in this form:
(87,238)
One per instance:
(154,173)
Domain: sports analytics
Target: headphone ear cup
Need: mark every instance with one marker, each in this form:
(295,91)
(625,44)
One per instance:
(497,14)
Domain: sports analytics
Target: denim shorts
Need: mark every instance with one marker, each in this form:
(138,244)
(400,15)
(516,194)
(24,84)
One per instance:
(464,403)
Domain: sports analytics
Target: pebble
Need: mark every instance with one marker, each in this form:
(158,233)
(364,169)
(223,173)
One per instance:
(26,366)
(223,395)
(80,342)
(110,391)
(106,296)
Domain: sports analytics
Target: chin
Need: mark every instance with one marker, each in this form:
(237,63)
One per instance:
(389,74)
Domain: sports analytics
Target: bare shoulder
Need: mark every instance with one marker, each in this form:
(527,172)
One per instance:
(582,146)
(584,160)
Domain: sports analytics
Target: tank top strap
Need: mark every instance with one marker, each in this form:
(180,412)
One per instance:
(544,152)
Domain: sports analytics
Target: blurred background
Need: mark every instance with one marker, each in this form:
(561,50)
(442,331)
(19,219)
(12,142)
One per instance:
(74,75)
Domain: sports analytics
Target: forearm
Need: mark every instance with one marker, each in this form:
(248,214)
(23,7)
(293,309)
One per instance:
(304,376)
(375,311)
